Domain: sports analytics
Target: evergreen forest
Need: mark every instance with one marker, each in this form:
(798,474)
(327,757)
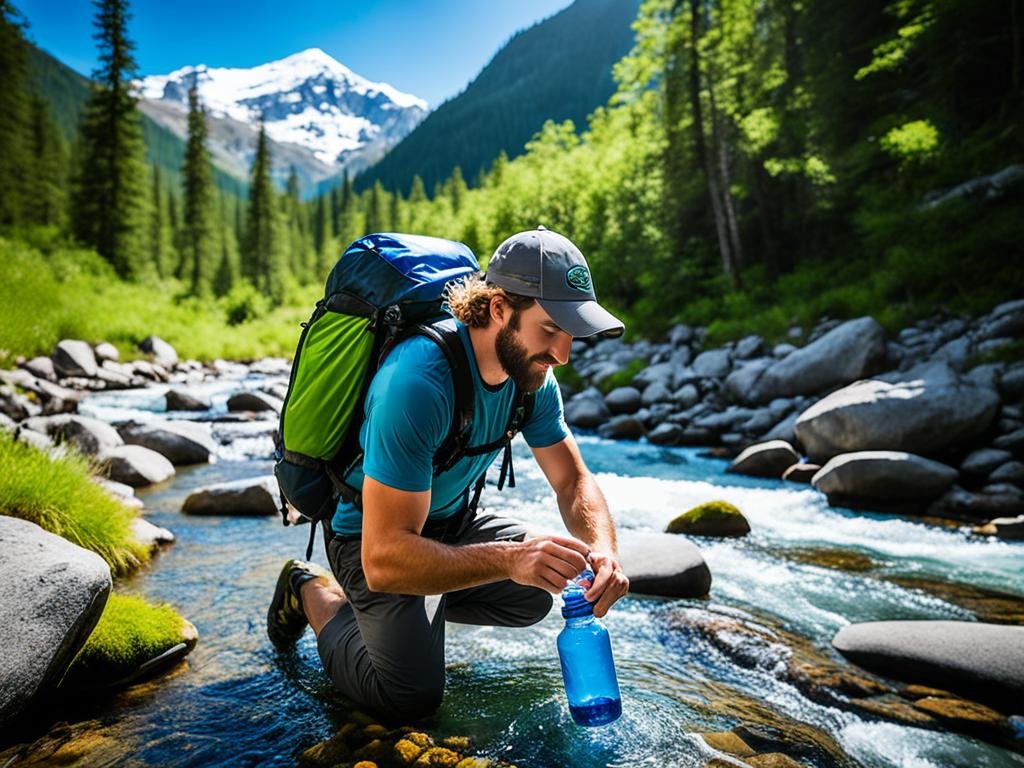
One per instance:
(759,164)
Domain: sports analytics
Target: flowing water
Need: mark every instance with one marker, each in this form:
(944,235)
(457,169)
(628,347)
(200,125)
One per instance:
(504,685)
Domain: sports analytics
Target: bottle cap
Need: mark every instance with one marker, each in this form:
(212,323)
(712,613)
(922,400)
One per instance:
(574,603)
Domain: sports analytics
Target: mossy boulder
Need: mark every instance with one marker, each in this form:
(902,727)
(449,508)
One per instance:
(713,518)
(132,641)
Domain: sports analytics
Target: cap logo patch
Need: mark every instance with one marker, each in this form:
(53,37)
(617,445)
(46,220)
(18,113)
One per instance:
(579,278)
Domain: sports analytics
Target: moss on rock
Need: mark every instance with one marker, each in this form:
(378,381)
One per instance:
(713,518)
(130,635)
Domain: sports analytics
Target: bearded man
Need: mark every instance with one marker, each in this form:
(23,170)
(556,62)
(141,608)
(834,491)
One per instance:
(416,554)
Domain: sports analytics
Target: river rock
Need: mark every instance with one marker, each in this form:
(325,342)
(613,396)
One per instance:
(922,415)
(148,535)
(666,433)
(769,459)
(801,472)
(37,440)
(662,564)
(686,396)
(655,393)
(713,364)
(89,436)
(106,351)
(253,401)
(252,496)
(784,430)
(981,462)
(1010,472)
(848,352)
(1012,384)
(883,475)
(1003,527)
(624,427)
(163,354)
(136,466)
(623,400)
(587,409)
(14,406)
(748,347)
(181,442)
(183,401)
(73,357)
(741,381)
(41,367)
(713,518)
(984,662)
(1012,442)
(53,595)
(995,501)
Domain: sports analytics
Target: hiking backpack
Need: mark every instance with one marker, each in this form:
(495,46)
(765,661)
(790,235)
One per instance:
(384,288)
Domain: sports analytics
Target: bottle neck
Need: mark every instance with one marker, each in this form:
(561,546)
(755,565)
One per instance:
(579,621)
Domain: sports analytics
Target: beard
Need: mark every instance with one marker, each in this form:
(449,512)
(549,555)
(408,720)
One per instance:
(517,361)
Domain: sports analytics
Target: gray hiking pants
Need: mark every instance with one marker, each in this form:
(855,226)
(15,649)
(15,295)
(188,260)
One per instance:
(385,652)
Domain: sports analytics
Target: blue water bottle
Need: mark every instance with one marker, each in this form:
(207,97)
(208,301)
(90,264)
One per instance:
(585,651)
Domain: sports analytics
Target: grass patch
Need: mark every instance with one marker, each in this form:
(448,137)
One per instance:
(1010,352)
(623,378)
(69,292)
(130,632)
(58,495)
(569,376)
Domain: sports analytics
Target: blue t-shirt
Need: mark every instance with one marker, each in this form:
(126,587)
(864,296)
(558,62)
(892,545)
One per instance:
(408,411)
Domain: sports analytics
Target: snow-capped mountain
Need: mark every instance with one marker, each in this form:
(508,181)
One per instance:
(321,116)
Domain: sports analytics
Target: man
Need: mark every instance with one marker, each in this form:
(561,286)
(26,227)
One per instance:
(380,640)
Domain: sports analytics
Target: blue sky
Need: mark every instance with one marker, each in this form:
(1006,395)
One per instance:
(431,48)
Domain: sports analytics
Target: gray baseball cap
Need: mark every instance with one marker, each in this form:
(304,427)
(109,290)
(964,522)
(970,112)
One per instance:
(548,267)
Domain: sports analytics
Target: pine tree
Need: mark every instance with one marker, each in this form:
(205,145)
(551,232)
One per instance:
(227,266)
(396,212)
(417,193)
(457,189)
(200,246)
(262,261)
(46,201)
(110,198)
(376,209)
(15,116)
(158,228)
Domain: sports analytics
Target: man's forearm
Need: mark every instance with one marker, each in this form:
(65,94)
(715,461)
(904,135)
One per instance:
(586,516)
(411,564)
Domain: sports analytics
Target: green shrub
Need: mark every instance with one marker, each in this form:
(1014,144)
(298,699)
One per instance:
(245,304)
(623,378)
(59,496)
(567,375)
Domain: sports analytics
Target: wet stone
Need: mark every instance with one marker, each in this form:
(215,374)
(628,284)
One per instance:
(728,742)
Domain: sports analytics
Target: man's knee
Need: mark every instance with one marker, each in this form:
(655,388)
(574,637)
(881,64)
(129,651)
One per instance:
(417,701)
(535,604)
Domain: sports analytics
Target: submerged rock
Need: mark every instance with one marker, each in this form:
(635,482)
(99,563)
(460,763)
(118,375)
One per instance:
(54,593)
(768,459)
(136,466)
(183,401)
(982,661)
(252,496)
(661,564)
(713,518)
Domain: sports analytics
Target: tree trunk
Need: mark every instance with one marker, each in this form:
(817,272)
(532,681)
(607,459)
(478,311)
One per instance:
(703,158)
(722,146)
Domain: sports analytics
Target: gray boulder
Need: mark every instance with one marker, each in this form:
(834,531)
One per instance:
(982,662)
(74,358)
(680,334)
(741,381)
(713,364)
(994,501)
(922,414)
(90,436)
(53,595)
(686,396)
(623,427)
(1012,442)
(847,353)
(883,475)
(663,564)
(1012,384)
(780,351)
(665,373)
(587,409)
(981,462)
(150,536)
(253,401)
(163,353)
(655,393)
(784,430)
(769,459)
(665,434)
(800,473)
(623,400)
(181,442)
(106,351)
(136,466)
(252,496)
(183,401)
(41,368)
(748,347)
(1010,472)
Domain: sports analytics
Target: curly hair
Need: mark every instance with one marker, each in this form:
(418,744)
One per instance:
(470,301)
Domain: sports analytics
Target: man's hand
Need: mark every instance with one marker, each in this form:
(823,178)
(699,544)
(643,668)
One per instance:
(548,562)
(610,583)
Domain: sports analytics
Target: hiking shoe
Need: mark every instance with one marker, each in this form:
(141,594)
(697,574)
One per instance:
(286,621)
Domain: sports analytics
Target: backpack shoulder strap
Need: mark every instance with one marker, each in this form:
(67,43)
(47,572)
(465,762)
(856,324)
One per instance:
(445,334)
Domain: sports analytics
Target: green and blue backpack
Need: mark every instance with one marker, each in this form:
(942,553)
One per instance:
(384,288)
